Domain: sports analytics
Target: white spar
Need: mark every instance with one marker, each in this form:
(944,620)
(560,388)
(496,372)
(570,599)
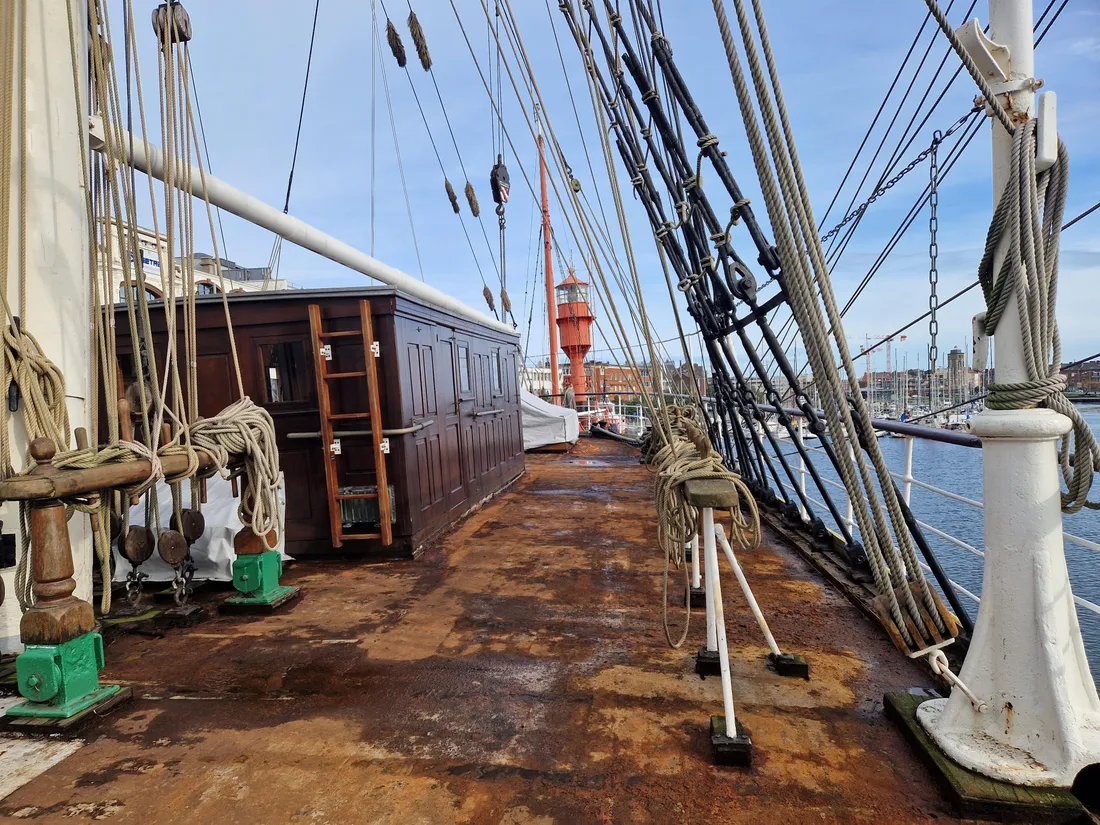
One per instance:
(298,232)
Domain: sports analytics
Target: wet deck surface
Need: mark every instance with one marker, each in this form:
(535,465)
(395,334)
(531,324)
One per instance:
(515,673)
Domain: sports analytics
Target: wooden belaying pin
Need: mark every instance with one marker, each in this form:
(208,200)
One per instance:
(126,431)
(81,436)
(202,489)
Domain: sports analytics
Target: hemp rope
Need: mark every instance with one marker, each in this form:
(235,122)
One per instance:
(678,462)
(1029,215)
(807,277)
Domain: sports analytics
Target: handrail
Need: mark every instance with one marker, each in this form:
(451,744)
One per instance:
(900,427)
(907,478)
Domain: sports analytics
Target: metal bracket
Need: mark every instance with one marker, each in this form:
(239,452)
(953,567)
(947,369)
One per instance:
(326,351)
(384,447)
(376,349)
(1046,131)
(992,59)
(334,447)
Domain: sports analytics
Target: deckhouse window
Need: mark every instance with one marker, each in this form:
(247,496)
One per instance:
(284,371)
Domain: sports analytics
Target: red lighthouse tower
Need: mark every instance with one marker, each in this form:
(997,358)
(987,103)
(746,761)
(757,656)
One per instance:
(575,328)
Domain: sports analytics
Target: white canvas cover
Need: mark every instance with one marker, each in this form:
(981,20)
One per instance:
(544,423)
(213,552)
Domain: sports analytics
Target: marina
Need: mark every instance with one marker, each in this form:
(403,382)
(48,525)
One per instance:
(327,539)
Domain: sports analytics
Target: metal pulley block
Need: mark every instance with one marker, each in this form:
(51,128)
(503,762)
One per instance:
(499,181)
(137,545)
(191,524)
(133,395)
(172,20)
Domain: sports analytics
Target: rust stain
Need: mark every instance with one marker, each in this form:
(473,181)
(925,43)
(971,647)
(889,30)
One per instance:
(514,674)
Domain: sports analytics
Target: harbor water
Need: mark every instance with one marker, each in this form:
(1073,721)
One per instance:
(959,470)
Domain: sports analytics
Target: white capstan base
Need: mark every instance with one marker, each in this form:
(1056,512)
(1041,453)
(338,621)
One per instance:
(986,755)
(1027,663)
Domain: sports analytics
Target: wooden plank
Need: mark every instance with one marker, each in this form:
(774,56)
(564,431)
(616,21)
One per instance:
(376,423)
(711,492)
(71,725)
(972,794)
(325,409)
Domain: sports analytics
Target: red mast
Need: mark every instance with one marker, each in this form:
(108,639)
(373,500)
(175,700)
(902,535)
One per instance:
(555,383)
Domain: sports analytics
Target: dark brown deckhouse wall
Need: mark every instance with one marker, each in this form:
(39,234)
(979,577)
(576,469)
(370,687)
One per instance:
(434,367)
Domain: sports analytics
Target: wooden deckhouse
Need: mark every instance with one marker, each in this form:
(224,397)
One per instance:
(448,392)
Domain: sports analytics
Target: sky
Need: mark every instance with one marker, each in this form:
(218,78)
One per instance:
(836,59)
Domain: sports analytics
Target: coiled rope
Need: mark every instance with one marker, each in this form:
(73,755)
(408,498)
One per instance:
(1029,216)
(686,457)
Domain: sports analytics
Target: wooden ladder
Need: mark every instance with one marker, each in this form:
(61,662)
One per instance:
(330,445)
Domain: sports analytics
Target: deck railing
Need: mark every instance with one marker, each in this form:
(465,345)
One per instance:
(908,480)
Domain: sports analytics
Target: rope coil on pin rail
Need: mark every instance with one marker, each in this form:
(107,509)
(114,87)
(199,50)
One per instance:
(685,457)
(1029,214)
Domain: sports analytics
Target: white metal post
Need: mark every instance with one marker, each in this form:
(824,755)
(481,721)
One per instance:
(711,580)
(802,470)
(696,580)
(57,245)
(907,478)
(720,533)
(849,514)
(1026,660)
(714,587)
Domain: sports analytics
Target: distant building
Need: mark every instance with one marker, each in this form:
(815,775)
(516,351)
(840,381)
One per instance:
(234,277)
(956,366)
(536,380)
(1083,378)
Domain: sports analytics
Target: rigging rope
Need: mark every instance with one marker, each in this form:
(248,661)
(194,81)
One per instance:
(807,277)
(1029,216)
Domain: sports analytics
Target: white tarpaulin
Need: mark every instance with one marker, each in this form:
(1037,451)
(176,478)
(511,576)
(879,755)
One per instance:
(544,423)
(213,552)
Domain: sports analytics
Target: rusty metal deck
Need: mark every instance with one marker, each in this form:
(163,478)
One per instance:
(515,673)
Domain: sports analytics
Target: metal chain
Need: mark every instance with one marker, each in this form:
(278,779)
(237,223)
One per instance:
(933,251)
(181,581)
(133,586)
(886,187)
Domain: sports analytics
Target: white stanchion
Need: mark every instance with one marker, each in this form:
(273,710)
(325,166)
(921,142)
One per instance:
(720,532)
(714,605)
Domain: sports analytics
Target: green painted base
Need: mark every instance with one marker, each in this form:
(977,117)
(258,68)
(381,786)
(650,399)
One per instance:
(60,680)
(46,710)
(271,597)
(256,577)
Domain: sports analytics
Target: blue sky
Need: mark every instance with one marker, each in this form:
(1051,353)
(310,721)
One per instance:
(836,60)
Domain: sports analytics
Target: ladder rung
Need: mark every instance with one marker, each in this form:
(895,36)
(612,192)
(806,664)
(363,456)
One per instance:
(346,375)
(350,496)
(347,536)
(346,416)
(344,333)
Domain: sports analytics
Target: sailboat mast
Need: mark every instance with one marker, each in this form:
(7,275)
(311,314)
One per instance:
(551,309)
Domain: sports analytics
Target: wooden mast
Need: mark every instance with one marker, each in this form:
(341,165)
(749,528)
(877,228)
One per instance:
(551,309)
